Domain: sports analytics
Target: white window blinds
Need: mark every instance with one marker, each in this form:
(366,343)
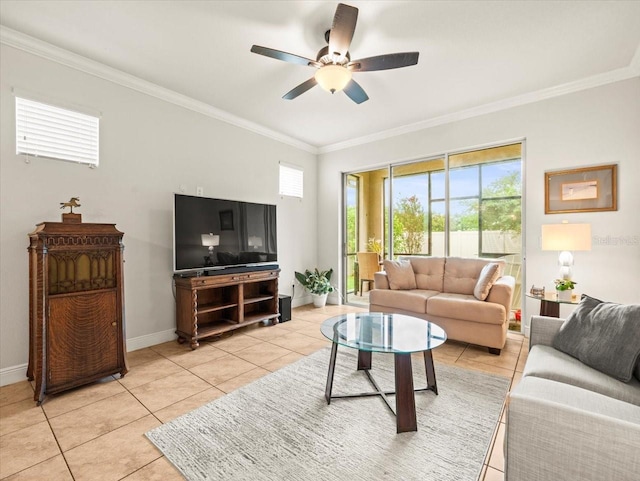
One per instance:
(43,130)
(291,181)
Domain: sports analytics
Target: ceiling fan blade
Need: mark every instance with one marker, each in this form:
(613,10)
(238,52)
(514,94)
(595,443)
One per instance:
(284,56)
(384,62)
(355,92)
(344,24)
(300,89)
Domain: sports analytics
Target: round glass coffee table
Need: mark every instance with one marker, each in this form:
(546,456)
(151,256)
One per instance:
(395,334)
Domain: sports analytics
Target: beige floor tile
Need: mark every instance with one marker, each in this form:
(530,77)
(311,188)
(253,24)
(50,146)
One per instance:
(451,348)
(313,347)
(91,421)
(266,333)
(516,379)
(493,475)
(161,393)
(312,331)
(169,347)
(479,366)
(262,353)
(18,415)
(484,470)
(18,391)
(54,469)
(235,343)
(242,380)
(439,356)
(295,342)
(187,357)
(25,448)
(513,345)
(522,359)
(299,324)
(222,369)
(496,460)
(159,470)
(282,361)
(149,371)
(286,325)
(135,358)
(506,359)
(68,401)
(116,454)
(187,405)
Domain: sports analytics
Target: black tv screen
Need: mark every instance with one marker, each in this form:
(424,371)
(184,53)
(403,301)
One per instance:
(216,233)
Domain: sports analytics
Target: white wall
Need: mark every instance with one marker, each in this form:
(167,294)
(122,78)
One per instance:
(592,127)
(148,148)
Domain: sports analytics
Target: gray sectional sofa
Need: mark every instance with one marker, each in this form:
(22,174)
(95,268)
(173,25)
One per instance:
(569,422)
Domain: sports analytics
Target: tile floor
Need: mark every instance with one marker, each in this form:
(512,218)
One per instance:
(97,432)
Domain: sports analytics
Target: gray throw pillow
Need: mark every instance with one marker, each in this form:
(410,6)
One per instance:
(603,335)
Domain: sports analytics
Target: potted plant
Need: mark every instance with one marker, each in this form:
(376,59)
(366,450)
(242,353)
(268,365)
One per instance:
(317,283)
(564,289)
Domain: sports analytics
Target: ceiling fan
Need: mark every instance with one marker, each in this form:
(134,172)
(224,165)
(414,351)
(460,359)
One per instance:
(334,63)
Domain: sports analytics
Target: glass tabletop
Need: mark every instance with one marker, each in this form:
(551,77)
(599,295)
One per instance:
(553,297)
(378,332)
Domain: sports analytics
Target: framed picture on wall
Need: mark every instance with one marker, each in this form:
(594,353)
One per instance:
(589,189)
(226,220)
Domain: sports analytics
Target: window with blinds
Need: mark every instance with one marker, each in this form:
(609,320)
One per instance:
(43,130)
(291,181)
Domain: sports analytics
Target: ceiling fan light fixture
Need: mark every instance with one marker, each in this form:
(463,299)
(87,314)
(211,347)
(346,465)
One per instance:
(333,78)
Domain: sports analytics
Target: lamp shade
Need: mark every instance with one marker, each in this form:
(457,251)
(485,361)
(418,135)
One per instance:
(333,78)
(210,240)
(255,241)
(566,237)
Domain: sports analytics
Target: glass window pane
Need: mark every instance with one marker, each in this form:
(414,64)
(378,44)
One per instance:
(501,179)
(464,182)
(437,228)
(410,213)
(501,226)
(463,228)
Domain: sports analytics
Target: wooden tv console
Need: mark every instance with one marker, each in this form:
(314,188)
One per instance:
(210,305)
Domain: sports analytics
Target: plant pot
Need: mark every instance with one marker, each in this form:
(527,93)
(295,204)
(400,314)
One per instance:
(319,300)
(565,295)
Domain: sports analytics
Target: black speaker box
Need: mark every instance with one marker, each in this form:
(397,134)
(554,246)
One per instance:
(284,303)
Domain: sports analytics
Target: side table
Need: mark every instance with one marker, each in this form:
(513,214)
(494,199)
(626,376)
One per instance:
(550,304)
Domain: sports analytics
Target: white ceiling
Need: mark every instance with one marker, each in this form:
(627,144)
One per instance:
(473,55)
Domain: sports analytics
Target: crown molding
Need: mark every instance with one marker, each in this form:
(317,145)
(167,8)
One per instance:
(633,70)
(45,50)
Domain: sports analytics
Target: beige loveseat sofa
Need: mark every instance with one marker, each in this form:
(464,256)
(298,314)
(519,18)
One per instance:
(444,294)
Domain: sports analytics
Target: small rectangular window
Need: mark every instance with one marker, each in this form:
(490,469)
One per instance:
(43,130)
(291,181)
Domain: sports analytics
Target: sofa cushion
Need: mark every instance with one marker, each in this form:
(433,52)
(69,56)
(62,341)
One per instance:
(466,308)
(603,335)
(488,276)
(461,275)
(429,271)
(549,363)
(400,274)
(414,300)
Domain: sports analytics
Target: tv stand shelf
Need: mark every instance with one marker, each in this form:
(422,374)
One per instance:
(210,305)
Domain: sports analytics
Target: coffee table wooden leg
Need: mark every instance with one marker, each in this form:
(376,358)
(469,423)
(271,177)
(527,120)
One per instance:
(405,396)
(431,371)
(332,368)
(364,360)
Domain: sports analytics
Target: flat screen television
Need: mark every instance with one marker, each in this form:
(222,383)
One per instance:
(214,234)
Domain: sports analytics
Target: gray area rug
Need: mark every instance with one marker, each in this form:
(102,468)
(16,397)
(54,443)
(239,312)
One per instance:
(281,428)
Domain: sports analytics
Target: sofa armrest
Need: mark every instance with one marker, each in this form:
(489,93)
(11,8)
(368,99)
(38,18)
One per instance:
(380,280)
(543,329)
(561,432)
(501,293)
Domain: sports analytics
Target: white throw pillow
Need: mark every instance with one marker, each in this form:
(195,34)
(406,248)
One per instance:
(488,276)
(400,274)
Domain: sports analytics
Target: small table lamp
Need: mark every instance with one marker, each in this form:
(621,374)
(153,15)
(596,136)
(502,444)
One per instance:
(210,241)
(255,242)
(566,237)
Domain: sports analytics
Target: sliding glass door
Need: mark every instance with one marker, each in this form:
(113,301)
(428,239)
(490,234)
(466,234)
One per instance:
(466,204)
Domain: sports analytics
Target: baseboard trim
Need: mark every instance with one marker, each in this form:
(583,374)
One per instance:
(14,374)
(147,340)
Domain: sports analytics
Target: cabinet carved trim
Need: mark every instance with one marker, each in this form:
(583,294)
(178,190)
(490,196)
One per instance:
(76,297)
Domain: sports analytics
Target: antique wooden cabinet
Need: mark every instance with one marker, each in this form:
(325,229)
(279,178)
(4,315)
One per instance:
(210,305)
(76,314)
